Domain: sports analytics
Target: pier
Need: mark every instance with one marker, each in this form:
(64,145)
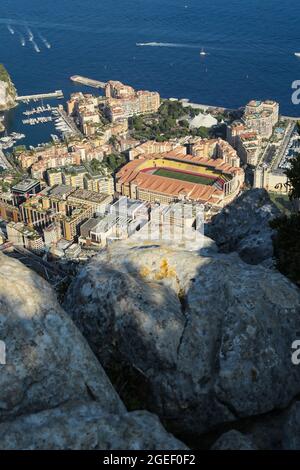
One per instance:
(58,94)
(88,81)
(38,120)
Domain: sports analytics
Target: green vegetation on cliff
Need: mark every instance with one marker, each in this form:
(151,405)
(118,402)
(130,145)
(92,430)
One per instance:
(11,93)
(4,76)
(109,165)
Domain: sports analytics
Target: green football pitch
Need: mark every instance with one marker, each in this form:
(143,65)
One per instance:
(184,176)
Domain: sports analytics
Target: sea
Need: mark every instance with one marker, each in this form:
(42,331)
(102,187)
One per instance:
(153,45)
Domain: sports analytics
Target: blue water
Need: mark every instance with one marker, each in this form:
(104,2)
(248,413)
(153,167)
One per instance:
(251,45)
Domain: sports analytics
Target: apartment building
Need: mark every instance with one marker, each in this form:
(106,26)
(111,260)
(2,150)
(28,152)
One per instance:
(262,116)
(74,176)
(96,201)
(123,101)
(99,184)
(23,236)
(152,147)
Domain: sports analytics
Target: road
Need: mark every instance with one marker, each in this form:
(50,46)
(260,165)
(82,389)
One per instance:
(272,155)
(284,145)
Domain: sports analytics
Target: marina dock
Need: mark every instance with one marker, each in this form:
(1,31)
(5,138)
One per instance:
(58,94)
(87,81)
(65,123)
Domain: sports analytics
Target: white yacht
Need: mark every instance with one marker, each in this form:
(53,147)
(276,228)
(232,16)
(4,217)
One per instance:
(203,53)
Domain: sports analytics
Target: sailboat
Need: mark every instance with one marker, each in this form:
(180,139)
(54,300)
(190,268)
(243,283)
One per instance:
(203,53)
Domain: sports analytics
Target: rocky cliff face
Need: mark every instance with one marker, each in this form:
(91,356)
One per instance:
(208,337)
(234,440)
(243,226)
(201,338)
(7,91)
(53,391)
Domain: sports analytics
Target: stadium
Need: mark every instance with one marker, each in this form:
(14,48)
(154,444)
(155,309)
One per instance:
(174,176)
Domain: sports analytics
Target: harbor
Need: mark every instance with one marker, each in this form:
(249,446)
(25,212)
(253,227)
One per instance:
(39,120)
(38,110)
(87,81)
(58,94)
(37,124)
(63,124)
(9,141)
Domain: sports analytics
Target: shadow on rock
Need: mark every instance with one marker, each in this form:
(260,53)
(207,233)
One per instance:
(201,341)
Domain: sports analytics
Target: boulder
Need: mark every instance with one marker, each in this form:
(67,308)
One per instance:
(48,362)
(201,341)
(291,428)
(243,226)
(86,426)
(266,429)
(233,440)
(54,394)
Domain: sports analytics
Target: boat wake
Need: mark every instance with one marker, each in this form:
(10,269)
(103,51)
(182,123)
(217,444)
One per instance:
(32,41)
(30,34)
(35,46)
(45,41)
(22,39)
(10,29)
(166,44)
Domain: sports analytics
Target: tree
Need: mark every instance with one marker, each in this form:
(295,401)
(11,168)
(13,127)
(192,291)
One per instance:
(113,141)
(287,246)
(202,132)
(137,123)
(293,174)
(287,240)
(184,123)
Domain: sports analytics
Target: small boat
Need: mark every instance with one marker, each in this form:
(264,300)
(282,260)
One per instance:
(203,53)
(297,54)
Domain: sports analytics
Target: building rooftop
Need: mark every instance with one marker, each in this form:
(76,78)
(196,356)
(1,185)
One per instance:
(25,185)
(174,187)
(131,204)
(25,229)
(90,196)
(61,190)
(74,170)
(109,221)
(90,224)
(203,120)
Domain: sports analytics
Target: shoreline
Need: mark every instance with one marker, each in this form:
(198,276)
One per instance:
(205,107)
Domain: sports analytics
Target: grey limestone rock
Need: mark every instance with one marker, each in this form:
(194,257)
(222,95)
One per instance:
(233,440)
(48,362)
(291,428)
(54,394)
(210,337)
(86,426)
(243,226)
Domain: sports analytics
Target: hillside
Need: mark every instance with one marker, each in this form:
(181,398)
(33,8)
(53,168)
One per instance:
(8,91)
